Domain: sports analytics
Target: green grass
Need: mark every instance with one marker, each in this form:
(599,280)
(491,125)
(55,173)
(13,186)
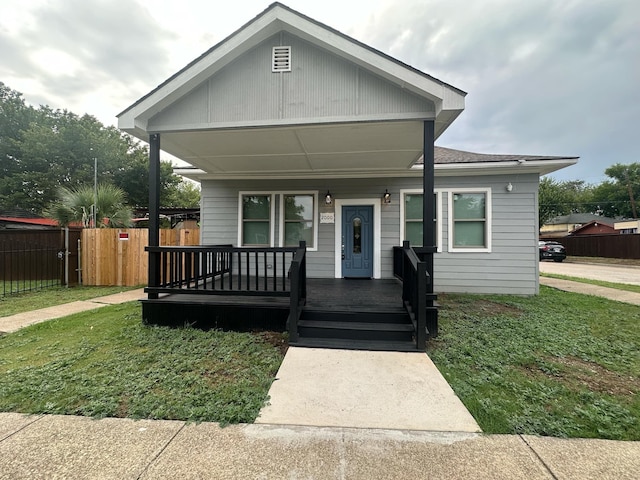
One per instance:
(107,363)
(24,302)
(558,364)
(618,286)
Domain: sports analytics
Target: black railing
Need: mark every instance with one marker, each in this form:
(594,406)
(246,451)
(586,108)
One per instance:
(30,261)
(413,273)
(221,270)
(298,275)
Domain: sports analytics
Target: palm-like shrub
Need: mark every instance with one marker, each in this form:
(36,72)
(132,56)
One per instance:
(75,205)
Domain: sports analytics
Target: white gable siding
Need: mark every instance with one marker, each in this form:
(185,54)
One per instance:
(510,267)
(320,87)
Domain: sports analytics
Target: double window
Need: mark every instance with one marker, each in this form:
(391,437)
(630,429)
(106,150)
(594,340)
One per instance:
(296,220)
(468,215)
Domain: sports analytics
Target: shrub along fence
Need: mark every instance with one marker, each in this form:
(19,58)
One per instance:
(608,246)
(117,257)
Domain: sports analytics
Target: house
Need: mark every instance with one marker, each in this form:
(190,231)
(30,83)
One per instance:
(298,132)
(627,226)
(563,225)
(594,227)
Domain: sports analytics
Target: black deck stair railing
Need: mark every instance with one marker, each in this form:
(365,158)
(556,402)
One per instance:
(408,267)
(298,298)
(222,270)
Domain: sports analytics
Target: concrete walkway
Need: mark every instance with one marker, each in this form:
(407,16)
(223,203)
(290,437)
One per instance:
(19,320)
(588,289)
(51,446)
(364,389)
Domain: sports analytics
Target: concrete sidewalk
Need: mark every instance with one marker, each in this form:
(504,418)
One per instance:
(589,289)
(19,320)
(52,446)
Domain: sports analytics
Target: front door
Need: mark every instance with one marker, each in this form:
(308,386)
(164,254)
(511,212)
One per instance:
(357,241)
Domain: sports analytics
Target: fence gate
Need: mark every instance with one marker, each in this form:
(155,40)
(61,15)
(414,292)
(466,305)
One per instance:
(35,259)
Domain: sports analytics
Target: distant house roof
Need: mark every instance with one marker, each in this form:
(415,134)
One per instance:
(448,155)
(580,218)
(594,227)
(20,222)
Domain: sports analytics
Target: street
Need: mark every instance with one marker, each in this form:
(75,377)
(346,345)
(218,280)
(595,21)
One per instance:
(607,273)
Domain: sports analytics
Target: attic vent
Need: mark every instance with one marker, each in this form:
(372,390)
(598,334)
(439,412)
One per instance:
(281,61)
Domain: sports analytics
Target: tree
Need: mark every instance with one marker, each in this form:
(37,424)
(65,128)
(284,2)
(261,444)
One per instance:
(76,205)
(562,198)
(185,195)
(617,196)
(42,149)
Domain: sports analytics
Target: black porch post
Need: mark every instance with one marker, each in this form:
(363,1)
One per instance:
(428,224)
(428,207)
(154,210)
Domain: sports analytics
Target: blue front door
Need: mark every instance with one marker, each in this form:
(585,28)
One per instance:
(357,241)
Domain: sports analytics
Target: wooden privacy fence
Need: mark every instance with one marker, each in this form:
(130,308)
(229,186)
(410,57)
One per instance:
(117,256)
(608,246)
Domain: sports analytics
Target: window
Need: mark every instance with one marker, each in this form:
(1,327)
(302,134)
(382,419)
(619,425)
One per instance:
(411,217)
(469,220)
(256,220)
(298,219)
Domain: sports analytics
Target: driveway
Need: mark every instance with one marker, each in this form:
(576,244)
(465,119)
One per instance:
(607,273)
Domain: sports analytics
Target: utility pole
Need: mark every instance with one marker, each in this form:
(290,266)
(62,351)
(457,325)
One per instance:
(95,190)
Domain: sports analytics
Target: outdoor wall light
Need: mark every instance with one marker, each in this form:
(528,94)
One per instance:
(328,199)
(386,197)
(509,187)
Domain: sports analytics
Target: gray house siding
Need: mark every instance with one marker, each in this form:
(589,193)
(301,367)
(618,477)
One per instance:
(510,267)
(320,87)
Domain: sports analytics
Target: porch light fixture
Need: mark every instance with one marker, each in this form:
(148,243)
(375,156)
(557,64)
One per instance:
(509,187)
(386,197)
(328,199)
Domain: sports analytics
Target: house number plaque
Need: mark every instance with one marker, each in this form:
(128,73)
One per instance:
(327,217)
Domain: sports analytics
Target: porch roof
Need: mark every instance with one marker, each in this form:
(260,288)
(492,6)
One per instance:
(386,141)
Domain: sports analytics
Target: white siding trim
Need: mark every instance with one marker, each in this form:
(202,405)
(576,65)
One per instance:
(316,215)
(488,220)
(439,213)
(377,232)
(272,217)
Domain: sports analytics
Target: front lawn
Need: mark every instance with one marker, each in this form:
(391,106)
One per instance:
(106,363)
(558,364)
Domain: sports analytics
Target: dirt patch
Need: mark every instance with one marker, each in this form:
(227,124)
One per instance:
(489,308)
(577,374)
(277,339)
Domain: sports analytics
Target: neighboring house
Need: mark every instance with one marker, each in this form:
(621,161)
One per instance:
(21,223)
(627,226)
(299,132)
(564,225)
(594,227)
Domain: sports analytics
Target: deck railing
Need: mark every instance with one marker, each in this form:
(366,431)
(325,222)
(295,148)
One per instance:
(221,270)
(298,275)
(413,273)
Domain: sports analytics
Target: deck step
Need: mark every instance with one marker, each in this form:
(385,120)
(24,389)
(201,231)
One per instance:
(388,330)
(398,315)
(344,344)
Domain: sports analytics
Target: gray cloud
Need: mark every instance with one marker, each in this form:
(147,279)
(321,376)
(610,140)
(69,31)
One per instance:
(543,77)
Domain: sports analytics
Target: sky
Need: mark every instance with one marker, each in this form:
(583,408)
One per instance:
(543,77)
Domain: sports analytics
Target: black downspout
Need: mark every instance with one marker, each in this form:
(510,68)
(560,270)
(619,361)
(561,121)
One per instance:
(154,211)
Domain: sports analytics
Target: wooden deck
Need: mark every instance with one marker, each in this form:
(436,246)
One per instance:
(348,295)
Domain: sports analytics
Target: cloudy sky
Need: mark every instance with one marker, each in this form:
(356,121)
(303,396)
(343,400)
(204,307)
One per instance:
(544,77)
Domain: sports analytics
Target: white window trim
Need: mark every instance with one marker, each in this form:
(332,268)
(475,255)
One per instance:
(488,220)
(272,216)
(377,231)
(410,191)
(316,215)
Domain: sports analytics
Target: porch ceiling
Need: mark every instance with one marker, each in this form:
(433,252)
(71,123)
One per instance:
(300,150)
